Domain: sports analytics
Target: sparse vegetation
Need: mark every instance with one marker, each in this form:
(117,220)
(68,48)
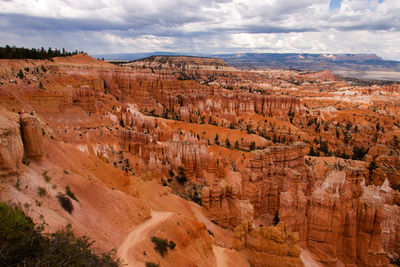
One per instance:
(162,245)
(18,183)
(227,143)
(324,148)
(41,191)
(216,141)
(69,193)
(313,153)
(171,244)
(26,161)
(65,203)
(46,177)
(20,74)
(359,153)
(276,219)
(395,261)
(152,264)
(194,193)
(252,145)
(23,243)
(181,177)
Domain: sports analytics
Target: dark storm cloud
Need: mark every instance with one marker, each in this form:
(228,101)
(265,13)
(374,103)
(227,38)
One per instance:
(20,21)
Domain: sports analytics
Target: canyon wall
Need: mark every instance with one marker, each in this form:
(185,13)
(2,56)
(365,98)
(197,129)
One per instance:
(161,118)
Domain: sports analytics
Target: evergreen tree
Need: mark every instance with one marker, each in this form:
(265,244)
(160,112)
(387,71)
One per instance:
(276,219)
(13,52)
(227,143)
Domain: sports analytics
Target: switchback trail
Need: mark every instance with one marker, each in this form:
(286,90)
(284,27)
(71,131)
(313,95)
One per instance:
(138,234)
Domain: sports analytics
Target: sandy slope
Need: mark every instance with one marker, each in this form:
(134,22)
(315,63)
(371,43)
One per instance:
(138,234)
(308,260)
(219,253)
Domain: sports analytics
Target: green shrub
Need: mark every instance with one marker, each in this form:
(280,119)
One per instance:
(41,191)
(236,144)
(276,219)
(181,177)
(152,264)
(171,244)
(18,183)
(313,153)
(359,153)
(227,143)
(20,74)
(65,203)
(69,193)
(252,145)
(15,230)
(161,245)
(46,177)
(323,147)
(22,243)
(395,261)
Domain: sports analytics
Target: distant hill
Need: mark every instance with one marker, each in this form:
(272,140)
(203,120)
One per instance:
(135,56)
(361,62)
(361,66)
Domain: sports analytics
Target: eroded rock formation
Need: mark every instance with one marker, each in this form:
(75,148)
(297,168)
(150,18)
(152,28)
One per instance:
(268,246)
(32,136)
(11,148)
(198,123)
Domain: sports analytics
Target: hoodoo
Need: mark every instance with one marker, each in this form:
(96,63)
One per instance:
(188,161)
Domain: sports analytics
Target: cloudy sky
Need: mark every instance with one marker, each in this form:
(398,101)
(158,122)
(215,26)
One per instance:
(204,26)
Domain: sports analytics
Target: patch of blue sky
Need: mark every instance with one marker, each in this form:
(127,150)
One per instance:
(335,4)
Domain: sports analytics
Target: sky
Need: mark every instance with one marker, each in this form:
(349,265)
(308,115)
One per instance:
(204,26)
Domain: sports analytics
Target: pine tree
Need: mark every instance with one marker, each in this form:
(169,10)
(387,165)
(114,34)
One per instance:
(276,219)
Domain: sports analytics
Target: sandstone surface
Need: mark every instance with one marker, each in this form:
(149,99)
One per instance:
(32,136)
(318,152)
(11,148)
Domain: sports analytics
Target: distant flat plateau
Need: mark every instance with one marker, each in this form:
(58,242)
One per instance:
(370,75)
(359,66)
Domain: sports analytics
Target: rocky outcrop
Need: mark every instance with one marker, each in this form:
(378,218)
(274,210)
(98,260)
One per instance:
(342,223)
(321,75)
(11,148)
(115,112)
(337,218)
(272,171)
(268,246)
(224,206)
(32,136)
(181,63)
(268,174)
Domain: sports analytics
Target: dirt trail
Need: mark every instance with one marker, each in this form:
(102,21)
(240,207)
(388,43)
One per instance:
(138,234)
(222,236)
(220,257)
(308,260)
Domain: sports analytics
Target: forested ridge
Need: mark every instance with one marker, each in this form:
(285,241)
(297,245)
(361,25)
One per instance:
(12,52)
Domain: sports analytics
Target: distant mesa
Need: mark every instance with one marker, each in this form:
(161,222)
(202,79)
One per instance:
(361,66)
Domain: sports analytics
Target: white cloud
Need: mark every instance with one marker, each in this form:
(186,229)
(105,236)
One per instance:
(104,26)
